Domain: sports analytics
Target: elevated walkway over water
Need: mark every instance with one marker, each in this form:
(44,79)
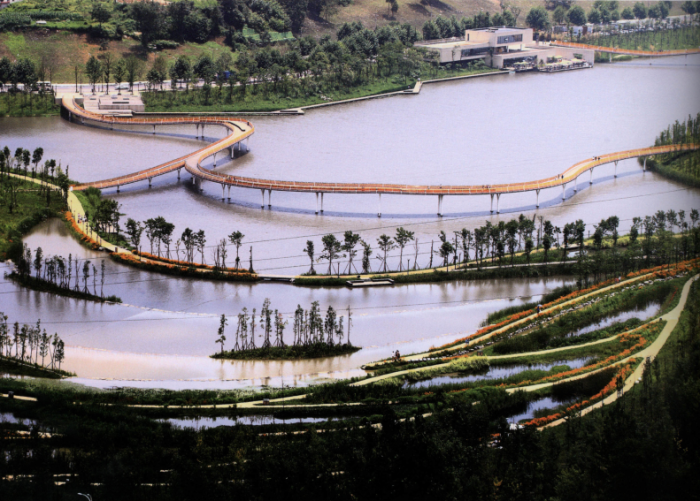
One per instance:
(240,130)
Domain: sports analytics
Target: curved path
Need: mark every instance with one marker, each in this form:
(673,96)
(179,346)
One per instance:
(238,130)
(650,352)
(628,52)
(241,129)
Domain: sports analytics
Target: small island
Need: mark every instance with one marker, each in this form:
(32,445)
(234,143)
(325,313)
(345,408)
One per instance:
(314,335)
(293,352)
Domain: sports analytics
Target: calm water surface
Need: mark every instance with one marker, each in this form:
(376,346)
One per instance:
(508,128)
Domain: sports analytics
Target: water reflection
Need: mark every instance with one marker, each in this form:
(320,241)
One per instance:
(496,372)
(255,420)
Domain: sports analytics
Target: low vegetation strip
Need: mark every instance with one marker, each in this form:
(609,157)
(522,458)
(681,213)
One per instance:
(315,350)
(459,365)
(41,285)
(11,365)
(615,384)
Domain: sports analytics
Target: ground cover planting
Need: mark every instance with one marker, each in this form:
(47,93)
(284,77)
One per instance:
(621,374)
(554,332)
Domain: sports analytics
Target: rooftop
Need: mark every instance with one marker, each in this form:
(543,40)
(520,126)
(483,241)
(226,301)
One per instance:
(499,29)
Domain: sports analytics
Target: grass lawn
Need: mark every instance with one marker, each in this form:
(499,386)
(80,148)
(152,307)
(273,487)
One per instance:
(193,101)
(23,105)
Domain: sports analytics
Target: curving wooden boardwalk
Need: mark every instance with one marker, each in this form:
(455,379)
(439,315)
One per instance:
(629,52)
(240,129)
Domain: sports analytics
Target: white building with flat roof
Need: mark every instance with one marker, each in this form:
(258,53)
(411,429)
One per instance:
(498,47)
(479,43)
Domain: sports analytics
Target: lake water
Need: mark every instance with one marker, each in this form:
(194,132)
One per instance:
(255,420)
(489,130)
(497,372)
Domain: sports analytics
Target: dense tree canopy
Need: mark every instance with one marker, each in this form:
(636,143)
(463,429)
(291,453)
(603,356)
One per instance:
(538,19)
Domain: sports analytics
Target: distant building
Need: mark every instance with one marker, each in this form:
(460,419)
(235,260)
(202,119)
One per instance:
(499,48)
(7,3)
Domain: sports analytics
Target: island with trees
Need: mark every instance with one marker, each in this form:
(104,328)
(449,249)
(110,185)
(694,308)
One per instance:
(314,335)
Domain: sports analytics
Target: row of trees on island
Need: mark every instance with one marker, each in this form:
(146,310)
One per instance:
(30,343)
(487,241)
(60,272)
(402,251)
(159,234)
(309,327)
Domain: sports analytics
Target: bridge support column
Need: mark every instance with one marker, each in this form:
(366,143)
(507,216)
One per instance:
(498,199)
(262,192)
(591,181)
(644,168)
(149,181)
(214,159)
(117,188)
(616,169)
(178,173)
(563,191)
(321,202)
(247,147)
(154,130)
(576,184)
(439,213)
(610,57)
(316,203)
(269,199)
(379,209)
(223,191)
(537,205)
(229,192)
(232,152)
(491,203)
(202,131)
